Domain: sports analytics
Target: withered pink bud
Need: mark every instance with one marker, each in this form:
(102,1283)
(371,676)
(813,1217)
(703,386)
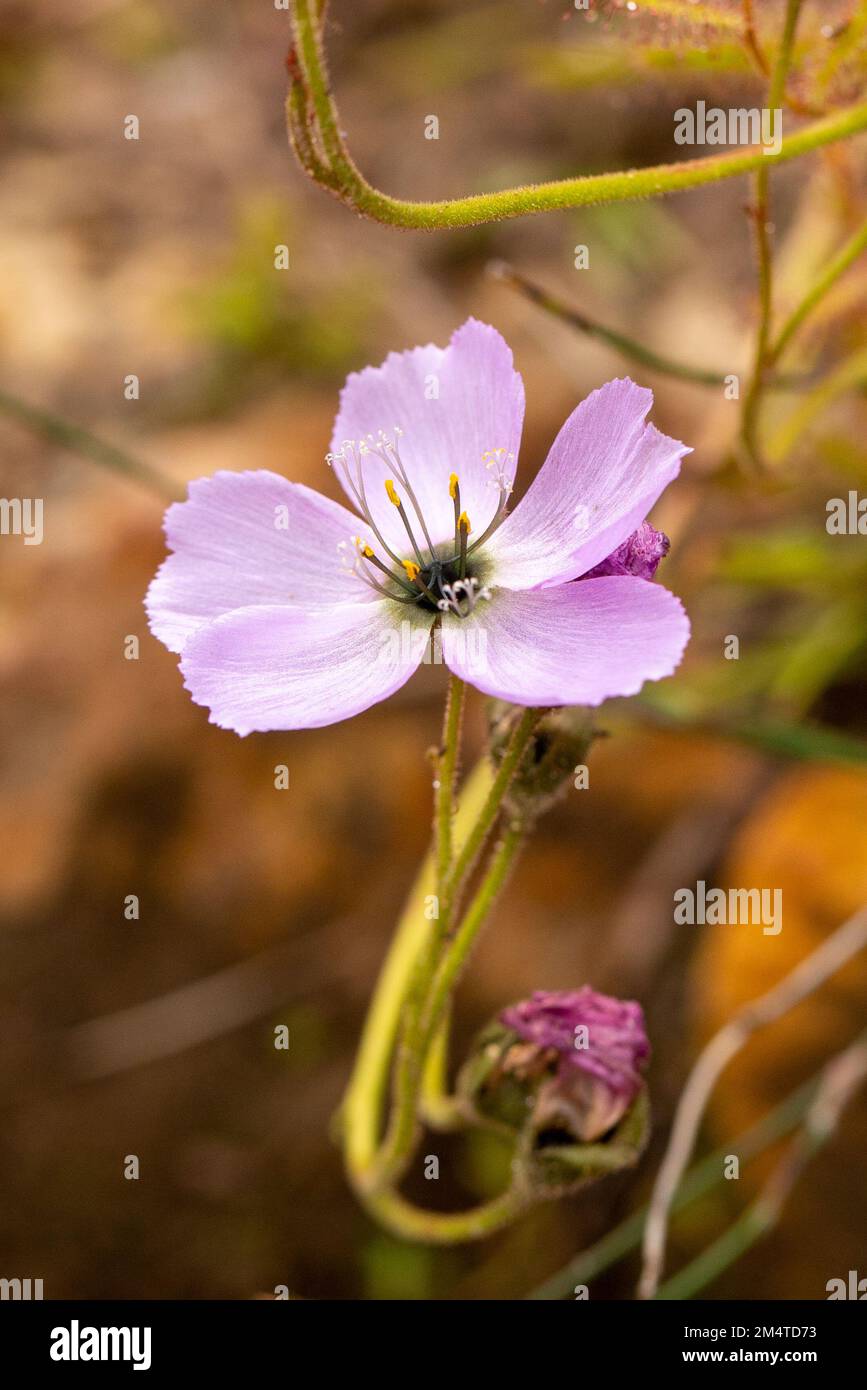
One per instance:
(639,555)
(591,1049)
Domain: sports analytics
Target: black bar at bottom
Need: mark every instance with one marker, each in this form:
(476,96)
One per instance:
(155,1339)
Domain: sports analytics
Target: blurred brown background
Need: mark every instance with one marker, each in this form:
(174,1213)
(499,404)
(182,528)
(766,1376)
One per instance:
(155,1037)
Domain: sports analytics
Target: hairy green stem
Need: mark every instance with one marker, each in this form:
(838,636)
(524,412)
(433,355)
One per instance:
(397,1147)
(626,185)
(455,956)
(511,760)
(361,1112)
(447,765)
(410,1060)
(761,213)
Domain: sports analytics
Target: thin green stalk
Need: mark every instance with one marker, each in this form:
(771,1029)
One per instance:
(845,46)
(755,1222)
(455,956)
(511,760)
(80,441)
(629,348)
(439,1110)
(761,213)
(621,186)
(702,1178)
(841,1079)
(782,737)
(447,765)
(397,1146)
(752,400)
(361,1112)
(839,264)
(751,39)
(410,1060)
(852,372)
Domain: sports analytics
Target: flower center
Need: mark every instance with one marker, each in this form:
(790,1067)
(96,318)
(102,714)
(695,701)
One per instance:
(439,579)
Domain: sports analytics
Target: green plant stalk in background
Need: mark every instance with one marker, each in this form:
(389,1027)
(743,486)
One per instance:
(66,435)
(761,215)
(701,1179)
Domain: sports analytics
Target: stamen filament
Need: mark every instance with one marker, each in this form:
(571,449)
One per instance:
(455,495)
(396,598)
(401,511)
(360,496)
(389,451)
(498,516)
(463,533)
(428,593)
(367,554)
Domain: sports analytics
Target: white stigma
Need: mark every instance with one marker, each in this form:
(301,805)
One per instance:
(461,597)
(429,577)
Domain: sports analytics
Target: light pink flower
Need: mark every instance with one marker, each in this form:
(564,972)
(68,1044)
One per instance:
(290,611)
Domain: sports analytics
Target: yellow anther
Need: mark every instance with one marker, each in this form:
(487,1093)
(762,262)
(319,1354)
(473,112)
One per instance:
(453,486)
(412,569)
(367,552)
(464,523)
(392,495)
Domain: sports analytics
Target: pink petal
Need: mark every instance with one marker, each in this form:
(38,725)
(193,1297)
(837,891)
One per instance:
(605,470)
(299,668)
(479,406)
(230,552)
(577,644)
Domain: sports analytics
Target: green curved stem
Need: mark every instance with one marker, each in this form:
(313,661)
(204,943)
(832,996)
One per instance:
(405,1219)
(627,185)
(438,1109)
